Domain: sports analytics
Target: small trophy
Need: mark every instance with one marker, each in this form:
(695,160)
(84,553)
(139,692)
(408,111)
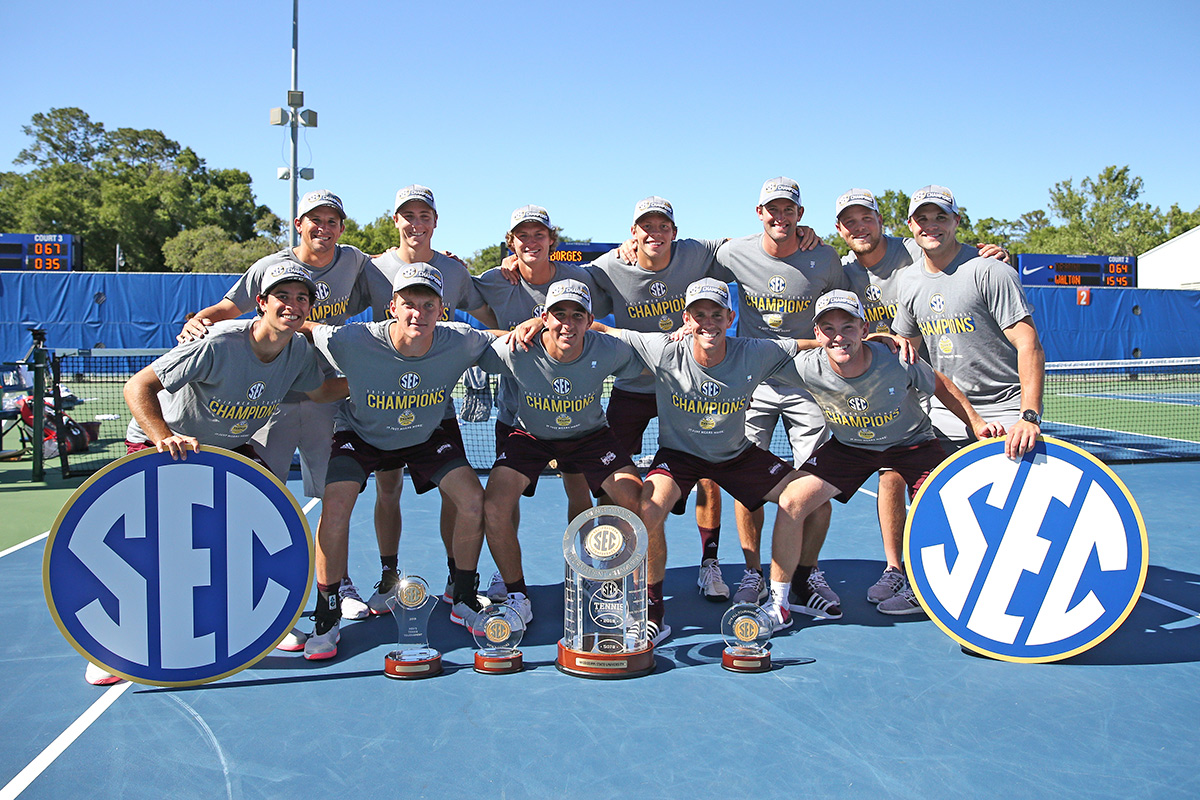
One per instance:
(411,603)
(502,631)
(746,629)
(605,631)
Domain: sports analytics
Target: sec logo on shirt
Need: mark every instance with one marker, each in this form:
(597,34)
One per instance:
(175,573)
(1030,561)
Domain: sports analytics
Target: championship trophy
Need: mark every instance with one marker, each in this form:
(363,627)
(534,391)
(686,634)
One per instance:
(502,628)
(411,603)
(605,632)
(746,629)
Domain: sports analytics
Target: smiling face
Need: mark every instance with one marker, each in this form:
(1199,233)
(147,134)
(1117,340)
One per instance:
(653,234)
(934,228)
(532,242)
(566,323)
(711,319)
(780,218)
(840,334)
(286,305)
(320,230)
(861,228)
(416,222)
(417,310)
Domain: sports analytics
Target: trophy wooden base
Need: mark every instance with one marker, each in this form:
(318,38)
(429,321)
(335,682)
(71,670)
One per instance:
(506,664)
(604,666)
(737,659)
(402,666)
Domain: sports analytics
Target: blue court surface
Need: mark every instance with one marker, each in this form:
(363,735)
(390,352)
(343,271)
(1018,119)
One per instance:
(867,706)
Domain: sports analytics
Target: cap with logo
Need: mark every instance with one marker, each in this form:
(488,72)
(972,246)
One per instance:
(707,289)
(569,289)
(653,205)
(855,197)
(940,196)
(282,273)
(321,197)
(420,274)
(839,300)
(780,188)
(415,192)
(529,214)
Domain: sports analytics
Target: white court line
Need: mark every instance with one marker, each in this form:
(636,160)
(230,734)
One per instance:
(312,503)
(25,543)
(1171,605)
(64,740)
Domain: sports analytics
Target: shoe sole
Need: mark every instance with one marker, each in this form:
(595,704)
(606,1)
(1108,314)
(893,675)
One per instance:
(714,598)
(320,656)
(457,620)
(901,612)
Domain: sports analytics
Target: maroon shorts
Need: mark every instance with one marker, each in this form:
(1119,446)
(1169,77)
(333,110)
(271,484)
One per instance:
(597,455)
(502,432)
(846,468)
(749,477)
(246,450)
(352,459)
(628,415)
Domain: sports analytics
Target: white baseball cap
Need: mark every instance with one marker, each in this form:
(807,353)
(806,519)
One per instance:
(529,213)
(940,196)
(777,188)
(707,289)
(284,272)
(569,289)
(855,197)
(653,205)
(415,192)
(840,300)
(419,274)
(321,197)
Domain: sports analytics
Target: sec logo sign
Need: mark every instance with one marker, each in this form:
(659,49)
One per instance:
(1031,560)
(175,573)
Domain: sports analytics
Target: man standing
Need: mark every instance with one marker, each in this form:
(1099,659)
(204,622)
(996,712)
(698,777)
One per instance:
(777,283)
(560,380)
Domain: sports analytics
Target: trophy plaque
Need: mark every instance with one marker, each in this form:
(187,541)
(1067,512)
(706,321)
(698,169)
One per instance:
(746,629)
(502,631)
(411,603)
(604,630)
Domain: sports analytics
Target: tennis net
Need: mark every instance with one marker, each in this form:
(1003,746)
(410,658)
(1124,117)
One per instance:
(1122,411)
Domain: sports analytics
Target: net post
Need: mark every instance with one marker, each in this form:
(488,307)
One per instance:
(39,403)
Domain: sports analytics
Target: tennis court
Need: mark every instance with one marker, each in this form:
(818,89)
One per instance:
(866,706)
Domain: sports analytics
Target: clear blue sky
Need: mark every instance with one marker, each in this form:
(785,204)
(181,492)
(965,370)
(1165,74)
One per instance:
(587,107)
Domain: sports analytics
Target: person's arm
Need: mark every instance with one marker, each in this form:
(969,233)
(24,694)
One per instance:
(485,315)
(989,250)
(1031,369)
(141,395)
(197,326)
(332,390)
(909,353)
(808,237)
(957,404)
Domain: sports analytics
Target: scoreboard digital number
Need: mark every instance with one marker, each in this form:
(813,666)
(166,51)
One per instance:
(42,252)
(1117,272)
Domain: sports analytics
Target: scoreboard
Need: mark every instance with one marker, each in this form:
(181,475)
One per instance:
(1039,269)
(44,252)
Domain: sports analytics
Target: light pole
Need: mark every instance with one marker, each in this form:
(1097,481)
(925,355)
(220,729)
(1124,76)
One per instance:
(294,119)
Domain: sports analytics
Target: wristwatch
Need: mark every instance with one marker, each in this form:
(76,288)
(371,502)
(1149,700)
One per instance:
(1029,415)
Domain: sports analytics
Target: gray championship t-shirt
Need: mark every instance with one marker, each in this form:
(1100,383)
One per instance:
(877,286)
(561,400)
(396,401)
(218,391)
(646,301)
(777,294)
(513,304)
(702,410)
(961,314)
(458,290)
(879,409)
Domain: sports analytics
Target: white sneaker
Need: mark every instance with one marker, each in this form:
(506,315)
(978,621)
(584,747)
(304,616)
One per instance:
(99,677)
(294,641)
(779,616)
(353,606)
(323,644)
(519,602)
(712,585)
(496,590)
(752,588)
(463,614)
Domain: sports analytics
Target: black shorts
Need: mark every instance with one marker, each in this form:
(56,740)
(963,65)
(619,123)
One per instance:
(846,468)
(749,477)
(352,459)
(628,415)
(597,455)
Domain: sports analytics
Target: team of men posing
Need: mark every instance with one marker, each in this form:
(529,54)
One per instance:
(817,348)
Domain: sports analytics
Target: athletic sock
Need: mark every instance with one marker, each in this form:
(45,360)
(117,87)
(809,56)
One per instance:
(779,592)
(450,567)
(710,539)
(516,586)
(466,587)
(389,563)
(800,580)
(655,607)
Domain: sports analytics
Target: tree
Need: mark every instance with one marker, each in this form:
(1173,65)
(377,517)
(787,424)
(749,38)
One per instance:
(1101,217)
(374,238)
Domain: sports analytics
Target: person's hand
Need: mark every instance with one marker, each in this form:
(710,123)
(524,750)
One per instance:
(988,430)
(524,333)
(994,251)
(448,254)
(178,446)
(808,237)
(899,346)
(1022,438)
(627,251)
(510,271)
(193,329)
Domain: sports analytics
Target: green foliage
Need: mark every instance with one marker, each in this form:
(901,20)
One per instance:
(211,249)
(374,238)
(134,187)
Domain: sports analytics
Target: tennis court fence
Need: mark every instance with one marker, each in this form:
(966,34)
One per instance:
(1121,411)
